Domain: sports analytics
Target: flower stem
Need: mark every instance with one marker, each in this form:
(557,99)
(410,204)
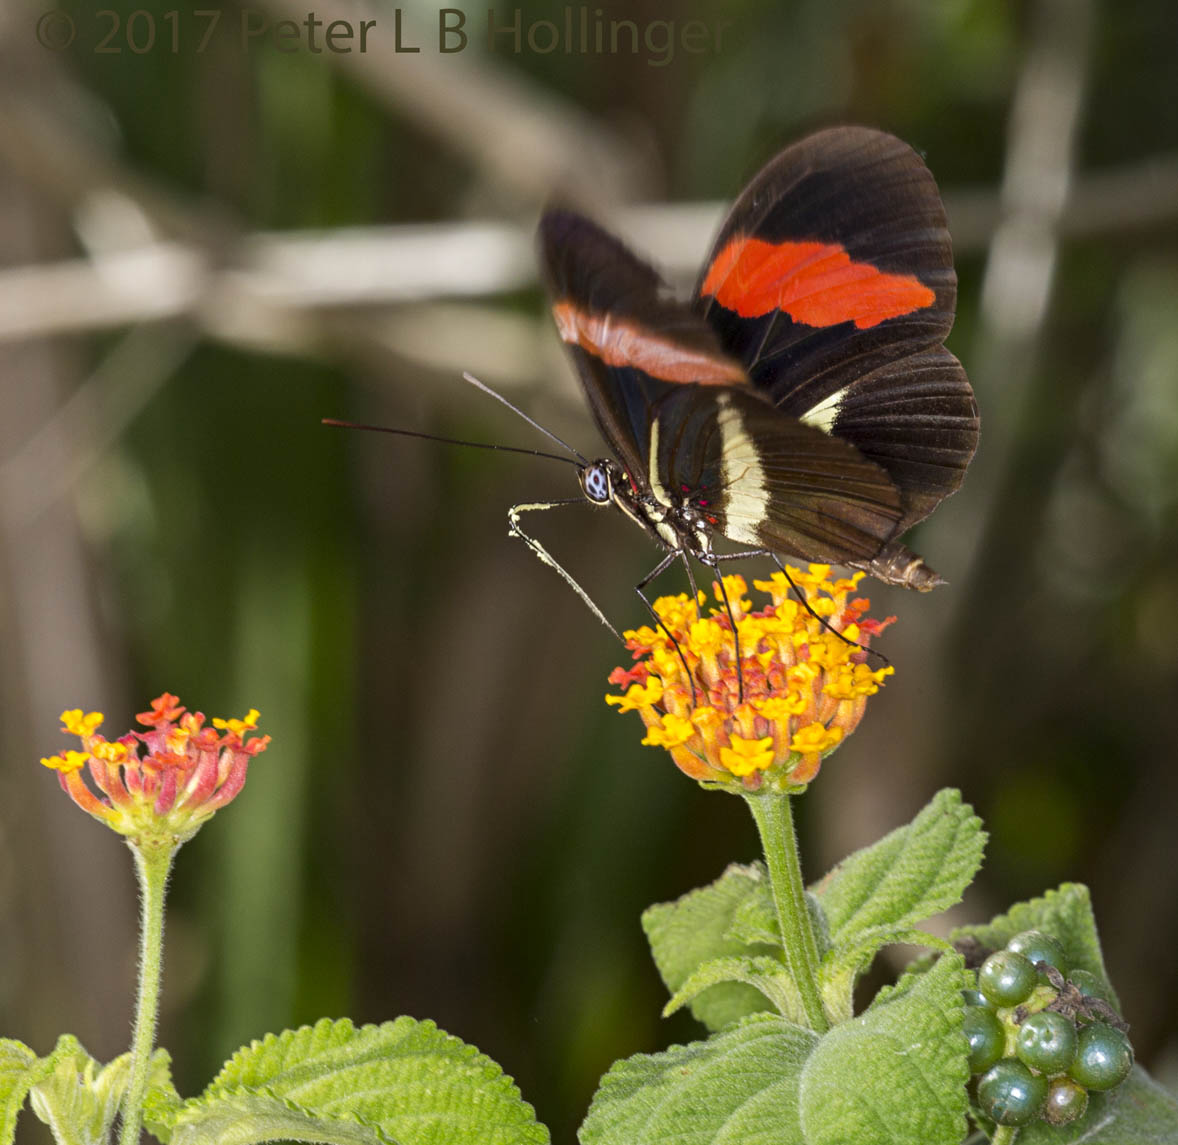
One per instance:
(773,815)
(153,861)
(1004,1135)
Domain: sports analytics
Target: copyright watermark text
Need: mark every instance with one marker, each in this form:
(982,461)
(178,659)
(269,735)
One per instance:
(575,30)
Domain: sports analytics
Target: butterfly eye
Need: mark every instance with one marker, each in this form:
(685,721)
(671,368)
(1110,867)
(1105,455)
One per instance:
(595,481)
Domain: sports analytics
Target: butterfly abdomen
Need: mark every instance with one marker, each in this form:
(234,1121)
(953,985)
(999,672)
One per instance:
(898,565)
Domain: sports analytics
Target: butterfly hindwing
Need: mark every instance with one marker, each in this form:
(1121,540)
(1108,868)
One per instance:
(771,481)
(917,418)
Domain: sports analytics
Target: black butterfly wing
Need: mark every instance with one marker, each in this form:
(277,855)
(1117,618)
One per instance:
(771,481)
(832,282)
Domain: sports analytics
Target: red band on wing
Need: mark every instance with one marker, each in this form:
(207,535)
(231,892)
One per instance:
(815,283)
(618,342)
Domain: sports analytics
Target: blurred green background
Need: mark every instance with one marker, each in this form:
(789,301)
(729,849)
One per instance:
(206,251)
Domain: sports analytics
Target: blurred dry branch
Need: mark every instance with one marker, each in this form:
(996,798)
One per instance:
(1036,186)
(260,291)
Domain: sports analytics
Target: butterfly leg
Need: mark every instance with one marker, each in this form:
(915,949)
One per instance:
(660,568)
(748,553)
(514,530)
(744,555)
(821,620)
(713,563)
(682,553)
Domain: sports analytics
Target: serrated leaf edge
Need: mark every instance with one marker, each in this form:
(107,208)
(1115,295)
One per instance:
(35,1070)
(946,803)
(337,1032)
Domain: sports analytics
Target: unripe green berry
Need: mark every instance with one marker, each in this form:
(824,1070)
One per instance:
(1066,1102)
(1047,1042)
(986,1037)
(1035,946)
(1090,985)
(1010,1094)
(1006,978)
(1103,1058)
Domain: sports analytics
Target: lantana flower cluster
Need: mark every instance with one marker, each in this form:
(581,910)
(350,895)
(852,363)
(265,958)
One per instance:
(162,783)
(802,689)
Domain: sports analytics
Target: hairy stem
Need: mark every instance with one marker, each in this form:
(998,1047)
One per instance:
(773,815)
(152,864)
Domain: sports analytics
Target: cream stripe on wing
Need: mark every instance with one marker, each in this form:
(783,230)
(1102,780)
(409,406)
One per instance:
(656,485)
(743,475)
(826,412)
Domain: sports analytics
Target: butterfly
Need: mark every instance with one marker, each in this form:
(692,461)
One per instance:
(800,403)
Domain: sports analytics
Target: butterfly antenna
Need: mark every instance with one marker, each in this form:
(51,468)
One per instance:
(520,413)
(446,440)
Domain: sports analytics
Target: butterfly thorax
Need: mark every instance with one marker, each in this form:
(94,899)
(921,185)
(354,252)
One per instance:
(675,523)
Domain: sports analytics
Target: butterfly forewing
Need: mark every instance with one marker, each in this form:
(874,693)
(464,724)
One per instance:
(631,342)
(843,233)
(832,281)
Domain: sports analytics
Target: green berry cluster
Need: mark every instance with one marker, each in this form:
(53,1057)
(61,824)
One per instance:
(1042,1036)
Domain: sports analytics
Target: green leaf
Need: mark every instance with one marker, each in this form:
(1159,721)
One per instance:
(911,873)
(897,1074)
(246,1118)
(1138,1112)
(1065,913)
(707,924)
(75,1095)
(78,1098)
(754,919)
(840,970)
(877,895)
(740,1087)
(20,1070)
(70,1103)
(763,972)
(161,1103)
(403,1081)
